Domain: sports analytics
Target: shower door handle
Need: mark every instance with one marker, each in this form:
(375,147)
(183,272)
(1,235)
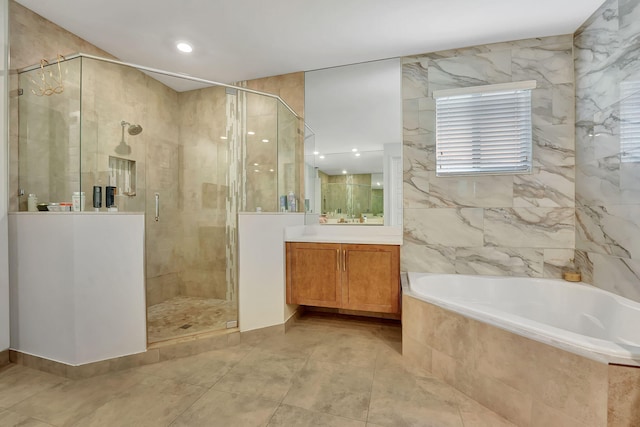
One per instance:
(157,206)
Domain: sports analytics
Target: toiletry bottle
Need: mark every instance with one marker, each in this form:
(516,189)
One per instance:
(110,196)
(292,202)
(97,197)
(283,203)
(77,201)
(32,203)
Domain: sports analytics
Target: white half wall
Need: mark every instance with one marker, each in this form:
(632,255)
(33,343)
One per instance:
(262,286)
(77,285)
(4,174)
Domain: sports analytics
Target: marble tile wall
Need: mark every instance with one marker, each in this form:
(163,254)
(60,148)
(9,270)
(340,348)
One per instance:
(607,62)
(519,225)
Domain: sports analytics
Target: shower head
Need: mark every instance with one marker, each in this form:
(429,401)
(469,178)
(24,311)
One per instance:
(133,129)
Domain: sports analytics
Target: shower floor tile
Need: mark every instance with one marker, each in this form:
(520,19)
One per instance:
(182,316)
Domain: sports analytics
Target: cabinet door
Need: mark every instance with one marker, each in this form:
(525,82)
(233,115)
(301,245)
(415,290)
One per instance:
(313,274)
(371,278)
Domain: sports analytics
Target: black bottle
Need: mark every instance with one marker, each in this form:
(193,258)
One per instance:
(110,197)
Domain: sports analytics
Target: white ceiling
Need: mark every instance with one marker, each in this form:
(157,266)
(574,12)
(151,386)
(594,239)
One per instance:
(244,39)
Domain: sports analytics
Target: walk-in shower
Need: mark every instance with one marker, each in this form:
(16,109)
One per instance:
(193,168)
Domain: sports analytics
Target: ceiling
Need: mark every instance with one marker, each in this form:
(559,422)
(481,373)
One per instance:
(238,40)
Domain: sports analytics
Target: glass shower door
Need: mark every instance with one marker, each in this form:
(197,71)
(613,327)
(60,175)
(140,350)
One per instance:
(190,243)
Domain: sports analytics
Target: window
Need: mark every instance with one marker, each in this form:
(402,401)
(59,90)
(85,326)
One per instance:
(630,122)
(484,129)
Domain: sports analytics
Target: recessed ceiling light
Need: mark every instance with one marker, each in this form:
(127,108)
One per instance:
(255,164)
(344,171)
(315,153)
(322,157)
(256,170)
(357,154)
(251,133)
(271,170)
(354,149)
(184,47)
(223,137)
(377,183)
(265,140)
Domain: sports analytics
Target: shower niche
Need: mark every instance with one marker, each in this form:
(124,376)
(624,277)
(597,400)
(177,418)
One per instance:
(122,175)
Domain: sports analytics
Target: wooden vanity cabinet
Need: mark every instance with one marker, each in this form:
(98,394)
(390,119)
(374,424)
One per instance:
(348,276)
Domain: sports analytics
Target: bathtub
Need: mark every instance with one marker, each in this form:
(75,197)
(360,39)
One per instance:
(532,350)
(575,317)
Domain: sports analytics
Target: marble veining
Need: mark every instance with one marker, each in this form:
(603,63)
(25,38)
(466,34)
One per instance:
(496,261)
(491,224)
(530,227)
(607,187)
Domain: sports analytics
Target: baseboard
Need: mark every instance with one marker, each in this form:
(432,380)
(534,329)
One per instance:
(4,358)
(159,352)
(291,321)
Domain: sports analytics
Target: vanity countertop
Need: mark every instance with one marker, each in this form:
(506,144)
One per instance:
(344,234)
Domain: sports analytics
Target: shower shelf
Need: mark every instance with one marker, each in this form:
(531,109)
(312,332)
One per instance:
(122,175)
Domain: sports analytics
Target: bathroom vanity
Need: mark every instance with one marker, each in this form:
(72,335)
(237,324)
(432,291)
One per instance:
(344,268)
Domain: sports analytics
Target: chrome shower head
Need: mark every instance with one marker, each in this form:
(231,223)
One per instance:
(133,129)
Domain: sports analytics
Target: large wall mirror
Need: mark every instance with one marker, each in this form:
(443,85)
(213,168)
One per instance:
(353,150)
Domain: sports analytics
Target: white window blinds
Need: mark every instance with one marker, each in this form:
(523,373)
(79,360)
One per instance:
(630,122)
(484,129)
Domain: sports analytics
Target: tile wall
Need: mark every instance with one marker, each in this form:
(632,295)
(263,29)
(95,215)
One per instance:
(607,65)
(521,225)
(175,156)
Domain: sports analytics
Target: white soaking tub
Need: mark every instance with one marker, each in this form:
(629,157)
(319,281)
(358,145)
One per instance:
(575,317)
(539,352)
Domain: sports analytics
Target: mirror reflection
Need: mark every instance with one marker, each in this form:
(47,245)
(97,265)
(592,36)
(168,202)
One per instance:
(353,146)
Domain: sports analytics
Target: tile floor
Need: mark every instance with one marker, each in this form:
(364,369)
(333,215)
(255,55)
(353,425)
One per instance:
(165,320)
(325,371)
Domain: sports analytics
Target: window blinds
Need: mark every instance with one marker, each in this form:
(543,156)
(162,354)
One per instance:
(630,122)
(484,129)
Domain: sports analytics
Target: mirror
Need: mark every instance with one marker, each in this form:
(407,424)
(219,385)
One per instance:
(353,144)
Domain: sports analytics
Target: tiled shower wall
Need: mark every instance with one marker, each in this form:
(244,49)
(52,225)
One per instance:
(194,195)
(520,225)
(607,61)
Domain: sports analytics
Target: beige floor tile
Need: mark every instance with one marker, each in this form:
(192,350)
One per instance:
(298,343)
(400,399)
(347,349)
(204,369)
(475,415)
(261,374)
(11,419)
(219,408)
(287,416)
(152,402)
(18,383)
(332,388)
(324,372)
(69,401)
